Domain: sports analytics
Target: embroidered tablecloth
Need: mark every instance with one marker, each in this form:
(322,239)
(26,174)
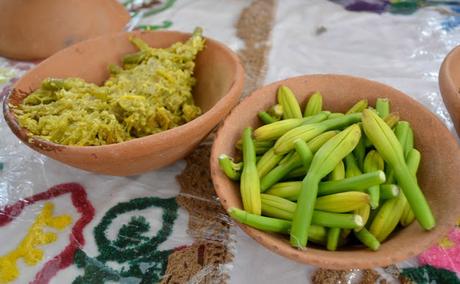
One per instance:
(62,225)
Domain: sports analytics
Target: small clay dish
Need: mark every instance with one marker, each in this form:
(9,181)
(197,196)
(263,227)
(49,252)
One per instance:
(219,77)
(449,84)
(438,172)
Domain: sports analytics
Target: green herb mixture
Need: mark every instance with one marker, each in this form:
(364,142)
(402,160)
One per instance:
(149,93)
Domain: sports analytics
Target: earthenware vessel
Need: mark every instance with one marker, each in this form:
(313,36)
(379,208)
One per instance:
(37,29)
(438,173)
(219,77)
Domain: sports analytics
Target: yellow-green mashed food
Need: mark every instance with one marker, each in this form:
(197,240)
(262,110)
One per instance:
(149,93)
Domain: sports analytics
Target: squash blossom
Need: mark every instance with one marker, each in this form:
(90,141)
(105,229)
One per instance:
(386,143)
(324,161)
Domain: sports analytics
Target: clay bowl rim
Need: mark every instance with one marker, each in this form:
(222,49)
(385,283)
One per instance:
(173,133)
(313,255)
(450,92)
(444,70)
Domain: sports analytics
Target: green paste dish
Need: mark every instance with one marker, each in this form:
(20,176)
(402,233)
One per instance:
(151,92)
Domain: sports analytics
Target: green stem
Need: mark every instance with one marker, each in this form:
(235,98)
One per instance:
(409,142)
(279,172)
(341,122)
(374,195)
(382,106)
(338,220)
(321,116)
(260,222)
(316,233)
(266,118)
(249,152)
(335,115)
(367,239)
(304,210)
(414,196)
(388,191)
(231,169)
(356,183)
(297,173)
(333,235)
(307,132)
(402,130)
(277,207)
(390,174)
(413,161)
(304,153)
(260,146)
(290,190)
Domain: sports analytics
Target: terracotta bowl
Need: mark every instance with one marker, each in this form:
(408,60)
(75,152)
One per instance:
(37,29)
(449,84)
(219,84)
(438,173)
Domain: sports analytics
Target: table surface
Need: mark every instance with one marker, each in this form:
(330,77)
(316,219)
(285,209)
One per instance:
(60,225)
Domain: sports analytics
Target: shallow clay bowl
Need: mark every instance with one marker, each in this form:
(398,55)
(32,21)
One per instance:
(449,84)
(438,173)
(219,84)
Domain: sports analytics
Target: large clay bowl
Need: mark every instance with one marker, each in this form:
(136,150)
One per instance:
(438,173)
(219,84)
(449,84)
(37,29)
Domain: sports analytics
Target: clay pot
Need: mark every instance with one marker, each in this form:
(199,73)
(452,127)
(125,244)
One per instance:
(219,84)
(449,84)
(438,173)
(36,29)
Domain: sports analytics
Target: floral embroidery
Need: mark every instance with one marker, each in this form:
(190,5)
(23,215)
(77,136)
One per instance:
(28,249)
(76,239)
(132,249)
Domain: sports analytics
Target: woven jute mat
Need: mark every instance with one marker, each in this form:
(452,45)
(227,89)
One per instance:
(204,261)
(254,28)
(359,276)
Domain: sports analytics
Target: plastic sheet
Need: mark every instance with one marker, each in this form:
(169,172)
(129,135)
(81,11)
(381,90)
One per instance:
(154,227)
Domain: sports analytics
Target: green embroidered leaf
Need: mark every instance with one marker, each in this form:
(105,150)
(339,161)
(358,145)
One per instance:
(429,274)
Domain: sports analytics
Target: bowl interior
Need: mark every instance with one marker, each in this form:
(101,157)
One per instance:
(437,174)
(212,83)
